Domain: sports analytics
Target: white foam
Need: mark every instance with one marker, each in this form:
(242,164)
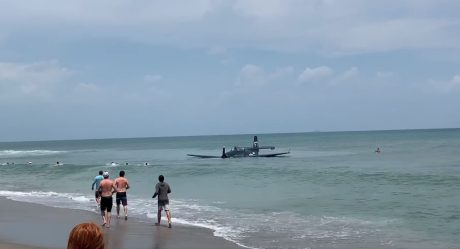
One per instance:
(227,223)
(22,153)
(54,199)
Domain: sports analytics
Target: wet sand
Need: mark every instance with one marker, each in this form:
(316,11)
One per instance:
(34,226)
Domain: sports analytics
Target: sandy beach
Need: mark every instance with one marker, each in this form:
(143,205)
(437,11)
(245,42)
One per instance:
(34,226)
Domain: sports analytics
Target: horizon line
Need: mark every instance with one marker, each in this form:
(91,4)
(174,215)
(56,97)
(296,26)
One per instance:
(234,134)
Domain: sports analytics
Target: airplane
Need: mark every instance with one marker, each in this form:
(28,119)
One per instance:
(238,151)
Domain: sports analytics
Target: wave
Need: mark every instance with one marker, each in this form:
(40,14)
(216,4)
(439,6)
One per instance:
(245,229)
(24,153)
(52,199)
(117,164)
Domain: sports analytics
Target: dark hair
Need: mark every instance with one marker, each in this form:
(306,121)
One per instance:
(100,172)
(122,173)
(161,178)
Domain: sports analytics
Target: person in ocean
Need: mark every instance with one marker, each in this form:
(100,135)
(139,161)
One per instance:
(107,189)
(96,182)
(121,185)
(377,150)
(162,190)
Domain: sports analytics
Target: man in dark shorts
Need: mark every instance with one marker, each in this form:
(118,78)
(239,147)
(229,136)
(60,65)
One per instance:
(162,189)
(107,189)
(121,185)
(97,181)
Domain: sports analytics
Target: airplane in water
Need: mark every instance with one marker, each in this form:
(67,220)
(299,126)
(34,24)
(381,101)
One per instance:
(238,151)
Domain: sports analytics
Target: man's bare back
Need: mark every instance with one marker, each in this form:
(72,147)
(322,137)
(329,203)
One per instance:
(106,187)
(121,184)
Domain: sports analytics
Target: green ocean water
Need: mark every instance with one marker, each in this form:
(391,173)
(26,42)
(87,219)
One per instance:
(332,191)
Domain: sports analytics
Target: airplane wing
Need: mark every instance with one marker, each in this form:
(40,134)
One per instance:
(203,156)
(274,154)
(267,147)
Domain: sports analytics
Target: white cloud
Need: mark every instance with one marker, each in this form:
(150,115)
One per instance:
(330,26)
(282,72)
(106,12)
(252,75)
(446,86)
(346,76)
(350,73)
(315,74)
(40,72)
(394,34)
(38,79)
(456,80)
(262,8)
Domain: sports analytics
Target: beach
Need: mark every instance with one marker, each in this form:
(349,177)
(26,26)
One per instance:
(34,226)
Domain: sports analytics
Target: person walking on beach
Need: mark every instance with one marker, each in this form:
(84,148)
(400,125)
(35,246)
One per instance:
(107,188)
(162,190)
(85,236)
(97,181)
(121,185)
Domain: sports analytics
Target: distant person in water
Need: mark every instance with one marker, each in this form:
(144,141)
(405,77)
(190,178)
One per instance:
(107,189)
(162,190)
(121,185)
(96,182)
(86,236)
(377,150)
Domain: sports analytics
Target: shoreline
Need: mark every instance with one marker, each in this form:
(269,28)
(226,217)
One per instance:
(35,226)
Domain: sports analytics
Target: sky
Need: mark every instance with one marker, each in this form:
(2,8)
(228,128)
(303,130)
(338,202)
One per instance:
(115,68)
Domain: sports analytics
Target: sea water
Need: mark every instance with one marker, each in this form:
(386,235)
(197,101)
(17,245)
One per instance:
(332,191)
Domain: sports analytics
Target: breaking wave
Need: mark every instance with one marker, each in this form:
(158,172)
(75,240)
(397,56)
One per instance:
(22,153)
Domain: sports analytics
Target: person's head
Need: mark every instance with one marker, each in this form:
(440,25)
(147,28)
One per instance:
(100,172)
(105,175)
(161,178)
(122,173)
(86,236)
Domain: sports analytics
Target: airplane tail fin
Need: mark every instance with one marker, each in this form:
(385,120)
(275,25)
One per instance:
(224,155)
(255,143)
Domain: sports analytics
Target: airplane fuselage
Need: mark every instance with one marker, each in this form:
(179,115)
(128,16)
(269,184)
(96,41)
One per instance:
(242,152)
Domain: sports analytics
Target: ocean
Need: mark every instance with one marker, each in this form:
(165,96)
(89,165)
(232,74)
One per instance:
(332,191)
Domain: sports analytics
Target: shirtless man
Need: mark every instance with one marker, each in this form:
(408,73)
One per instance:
(121,185)
(106,188)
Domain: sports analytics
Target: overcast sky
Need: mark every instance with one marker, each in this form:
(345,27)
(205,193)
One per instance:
(112,68)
